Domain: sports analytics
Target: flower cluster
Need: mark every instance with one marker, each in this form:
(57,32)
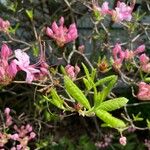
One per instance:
(105,142)
(144,91)
(120,13)
(147,143)
(72,71)
(61,34)
(22,62)
(144,63)
(119,55)
(20,137)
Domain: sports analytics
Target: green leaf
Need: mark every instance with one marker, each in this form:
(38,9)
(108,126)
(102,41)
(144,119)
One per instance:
(35,50)
(56,100)
(147,79)
(148,123)
(76,93)
(112,104)
(137,117)
(63,70)
(109,119)
(30,14)
(13,30)
(106,90)
(105,80)
(86,72)
(87,84)
(93,74)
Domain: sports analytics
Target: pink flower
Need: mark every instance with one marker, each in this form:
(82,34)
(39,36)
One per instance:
(118,55)
(4,25)
(61,34)
(140,49)
(8,117)
(122,12)
(123,140)
(144,59)
(144,63)
(7,71)
(105,9)
(129,54)
(144,91)
(23,62)
(72,71)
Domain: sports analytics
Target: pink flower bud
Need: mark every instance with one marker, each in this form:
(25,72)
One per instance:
(140,49)
(7,111)
(32,135)
(123,140)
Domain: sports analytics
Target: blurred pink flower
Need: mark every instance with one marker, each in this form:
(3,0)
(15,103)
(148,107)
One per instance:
(61,34)
(8,117)
(144,91)
(103,10)
(34,72)
(7,71)
(144,63)
(140,49)
(129,54)
(118,56)
(144,59)
(23,62)
(123,140)
(72,71)
(122,12)
(4,25)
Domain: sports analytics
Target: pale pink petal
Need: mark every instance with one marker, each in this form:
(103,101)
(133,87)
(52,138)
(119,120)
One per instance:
(23,58)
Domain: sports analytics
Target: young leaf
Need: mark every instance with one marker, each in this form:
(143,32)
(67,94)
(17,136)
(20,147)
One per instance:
(93,74)
(112,104)
(137,117)
(105,80)
(87,84)
(86,72)
(109,119)
(56,100)
(148,123)
(30,14)
(106,90)
(76,93)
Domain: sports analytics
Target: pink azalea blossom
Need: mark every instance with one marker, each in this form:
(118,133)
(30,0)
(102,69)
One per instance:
(4,25)
(33,72)
(103,10)
(61,34)
(122,12)
(118,55)
(140,49)
(72,71)
(144,59)
(7,70)
(123,140)
(129,54)
(144,63)
(23,62)
(144,91)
